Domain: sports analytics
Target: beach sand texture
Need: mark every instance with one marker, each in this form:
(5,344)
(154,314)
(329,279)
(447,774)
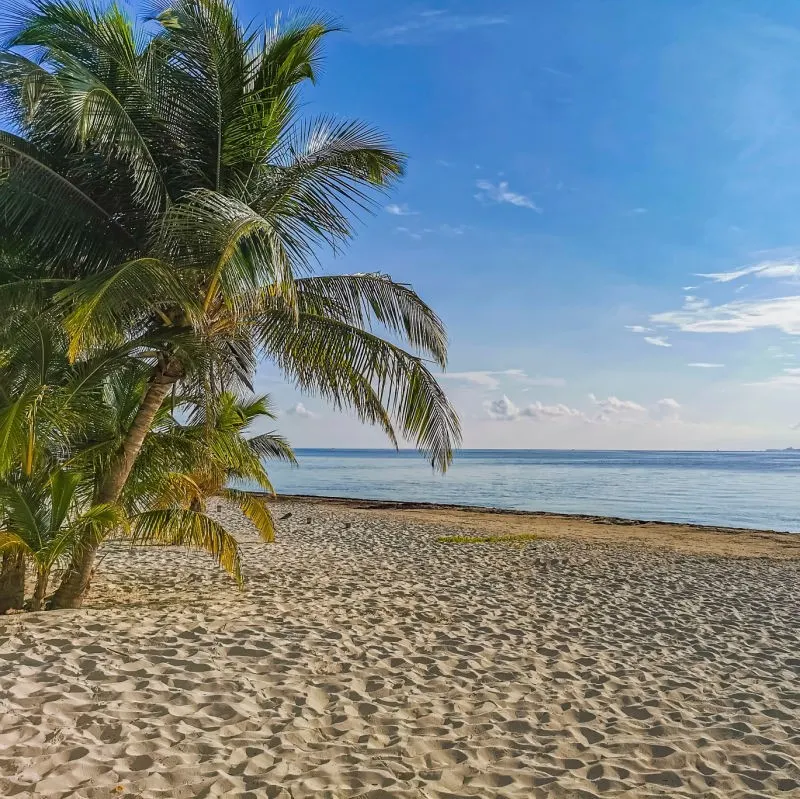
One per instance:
(372,661)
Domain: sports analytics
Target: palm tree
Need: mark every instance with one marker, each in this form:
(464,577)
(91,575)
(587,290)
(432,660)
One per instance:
(40,519)
(49,410)
(171,180)
(183,465)
(71,418)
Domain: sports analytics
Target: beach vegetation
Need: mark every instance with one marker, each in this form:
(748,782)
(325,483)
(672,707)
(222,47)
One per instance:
(165,201)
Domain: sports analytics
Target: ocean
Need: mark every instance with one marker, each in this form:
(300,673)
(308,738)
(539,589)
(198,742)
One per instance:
(733,489)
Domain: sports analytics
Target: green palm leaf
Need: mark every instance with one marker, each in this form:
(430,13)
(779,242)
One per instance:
(186,528)
(356,299)
(108,305)
(48,206)
(255,509)
(313,351)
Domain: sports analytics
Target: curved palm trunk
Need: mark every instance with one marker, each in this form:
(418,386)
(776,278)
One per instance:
(75,582)
(12,582)
(42,578)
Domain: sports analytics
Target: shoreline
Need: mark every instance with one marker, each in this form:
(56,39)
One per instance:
(689,538)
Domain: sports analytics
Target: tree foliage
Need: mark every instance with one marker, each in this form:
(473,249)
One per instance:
(165,202)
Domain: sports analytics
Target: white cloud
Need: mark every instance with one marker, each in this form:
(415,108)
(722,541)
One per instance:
(301,411)
(704,365)
(637,211)
(614,405)
(740,316)
(616,410)
(429,23)
(491,379)
(500,193)
(639,329)
(504,410)
(667,409)
(657,341)
(450,230)
(692,303)
(778,352)
(773,269)
(537,410)
(400,210)
(611,410)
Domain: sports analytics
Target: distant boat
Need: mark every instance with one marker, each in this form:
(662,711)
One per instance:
(785,449)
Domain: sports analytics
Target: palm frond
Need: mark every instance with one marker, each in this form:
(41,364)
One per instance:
(255,509)
(272,446)
(14,430)
(358,298)
(107,305)
(313,351)
(51,209)
(235,244)
(186,528)
(318,178)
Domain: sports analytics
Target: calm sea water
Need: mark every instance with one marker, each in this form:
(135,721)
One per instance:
(737,489)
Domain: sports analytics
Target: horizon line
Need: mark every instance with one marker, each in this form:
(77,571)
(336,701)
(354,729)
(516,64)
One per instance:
(540,449)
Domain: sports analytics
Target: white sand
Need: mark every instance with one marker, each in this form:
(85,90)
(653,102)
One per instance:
(374,662)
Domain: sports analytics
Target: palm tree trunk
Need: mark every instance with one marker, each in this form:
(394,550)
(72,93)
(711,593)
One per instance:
(42,578)
(75,583)
(12,581)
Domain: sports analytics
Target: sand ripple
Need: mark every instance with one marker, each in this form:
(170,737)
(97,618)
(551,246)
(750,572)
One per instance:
(374,662)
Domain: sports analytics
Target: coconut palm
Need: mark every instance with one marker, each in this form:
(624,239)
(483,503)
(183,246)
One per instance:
(49,411)
(172,181)
(71,418)
(184,465)
(41,519)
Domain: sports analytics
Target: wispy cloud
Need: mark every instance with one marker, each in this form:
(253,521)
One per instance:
(412,234)
(300,410)
(637,211)
(778,352)
(704,365)
(740,316)
(490,379)
(400,210)
(790,378)
(448,230)
(442,230)
(428,24)
(692,303)
(768,269)
(657,341)
(500,193)
(638,329)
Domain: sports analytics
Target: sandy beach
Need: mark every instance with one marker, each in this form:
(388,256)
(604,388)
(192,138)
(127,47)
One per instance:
(364,658)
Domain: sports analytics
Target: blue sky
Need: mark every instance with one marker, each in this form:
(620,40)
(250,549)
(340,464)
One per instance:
(574,168)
